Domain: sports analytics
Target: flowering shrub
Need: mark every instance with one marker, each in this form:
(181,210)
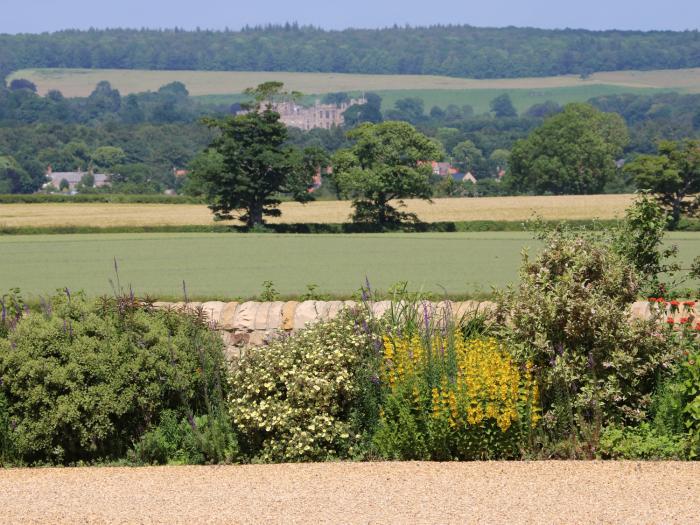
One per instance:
(297,399)
(569,316)
(451,398)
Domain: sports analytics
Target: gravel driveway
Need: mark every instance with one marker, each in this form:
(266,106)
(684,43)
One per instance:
(488,492)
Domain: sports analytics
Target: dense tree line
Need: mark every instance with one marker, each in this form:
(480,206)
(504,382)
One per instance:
(455,50)
(20,104)
(141,157)
(141,137)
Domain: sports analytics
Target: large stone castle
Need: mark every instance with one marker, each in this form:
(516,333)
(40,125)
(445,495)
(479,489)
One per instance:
(317,116)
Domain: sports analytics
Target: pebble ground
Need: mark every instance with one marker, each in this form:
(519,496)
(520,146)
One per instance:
(479,492)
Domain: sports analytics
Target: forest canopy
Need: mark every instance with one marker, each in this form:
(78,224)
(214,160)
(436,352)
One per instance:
(454,50)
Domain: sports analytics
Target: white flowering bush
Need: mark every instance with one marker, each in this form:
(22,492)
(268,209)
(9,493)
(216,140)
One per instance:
(298,398)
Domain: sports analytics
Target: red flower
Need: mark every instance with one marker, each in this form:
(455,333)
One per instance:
(675,303)
(689,304)
(670,320)
(697,327)
(652,300)
(660,300)
(684,320)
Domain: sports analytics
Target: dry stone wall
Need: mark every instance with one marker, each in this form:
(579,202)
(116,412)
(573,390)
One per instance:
(253,323)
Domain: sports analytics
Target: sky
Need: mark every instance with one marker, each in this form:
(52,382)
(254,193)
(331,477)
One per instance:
(35,16)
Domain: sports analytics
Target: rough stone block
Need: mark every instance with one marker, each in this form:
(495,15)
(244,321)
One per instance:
(288,311)
(640,310)
(322,310)
(258,338)
(162,305)
(350,304)
(274,316)
(235,338)
(260,321)
(306,312)
(228,316)
(334,308)
(380,308)
(213,310)
(487,307)
(245,316)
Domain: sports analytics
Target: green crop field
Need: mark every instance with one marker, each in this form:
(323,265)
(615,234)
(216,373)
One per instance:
(479,99)
(224,87)
(235,265)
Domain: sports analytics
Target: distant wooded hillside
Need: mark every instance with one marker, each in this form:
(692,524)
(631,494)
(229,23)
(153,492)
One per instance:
(461,51)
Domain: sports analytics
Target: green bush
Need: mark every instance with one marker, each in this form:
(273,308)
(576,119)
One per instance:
(6,445)
(85,380)
(569,316)
(689,386)
(199,440)
(304,397)
(641,442)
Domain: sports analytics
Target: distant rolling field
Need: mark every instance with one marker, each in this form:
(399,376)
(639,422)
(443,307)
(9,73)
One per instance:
(230,265)
(219,86)
(458,209)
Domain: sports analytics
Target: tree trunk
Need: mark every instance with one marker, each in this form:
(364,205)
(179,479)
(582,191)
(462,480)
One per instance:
(255,216)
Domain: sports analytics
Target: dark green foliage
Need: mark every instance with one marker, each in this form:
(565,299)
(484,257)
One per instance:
(673,176)
(83,381)
(573,152)
(22,83)
(640,239)
(14,178)
(248,164)
(206,439)
(400,437)
(7,453)
(388,162)
(37,198)
(503,107)
(641,442)
(455,50)
(570,316)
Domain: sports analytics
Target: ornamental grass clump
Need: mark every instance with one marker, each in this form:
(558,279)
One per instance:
(448,397)
(309,396)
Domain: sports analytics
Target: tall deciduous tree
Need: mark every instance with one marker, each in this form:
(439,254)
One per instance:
(502,106)
(573,152)
(388,162)
(252,164)
(673,176)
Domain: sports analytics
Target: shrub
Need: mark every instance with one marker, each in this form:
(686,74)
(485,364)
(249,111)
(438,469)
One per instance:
(6,445)
(196,440)
(641,442)
(302,397)
(639,239)
(83,381)
(689,386)
(569,316)
(452,398)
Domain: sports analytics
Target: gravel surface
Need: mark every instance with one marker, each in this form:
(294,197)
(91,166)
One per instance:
(493,492)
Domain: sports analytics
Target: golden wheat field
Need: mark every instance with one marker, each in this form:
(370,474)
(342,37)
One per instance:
(81,82)
(462,209)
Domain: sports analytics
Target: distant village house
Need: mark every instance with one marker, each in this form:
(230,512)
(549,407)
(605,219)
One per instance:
(73,178)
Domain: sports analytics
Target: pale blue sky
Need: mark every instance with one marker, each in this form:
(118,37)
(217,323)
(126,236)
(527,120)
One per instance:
(51,15)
